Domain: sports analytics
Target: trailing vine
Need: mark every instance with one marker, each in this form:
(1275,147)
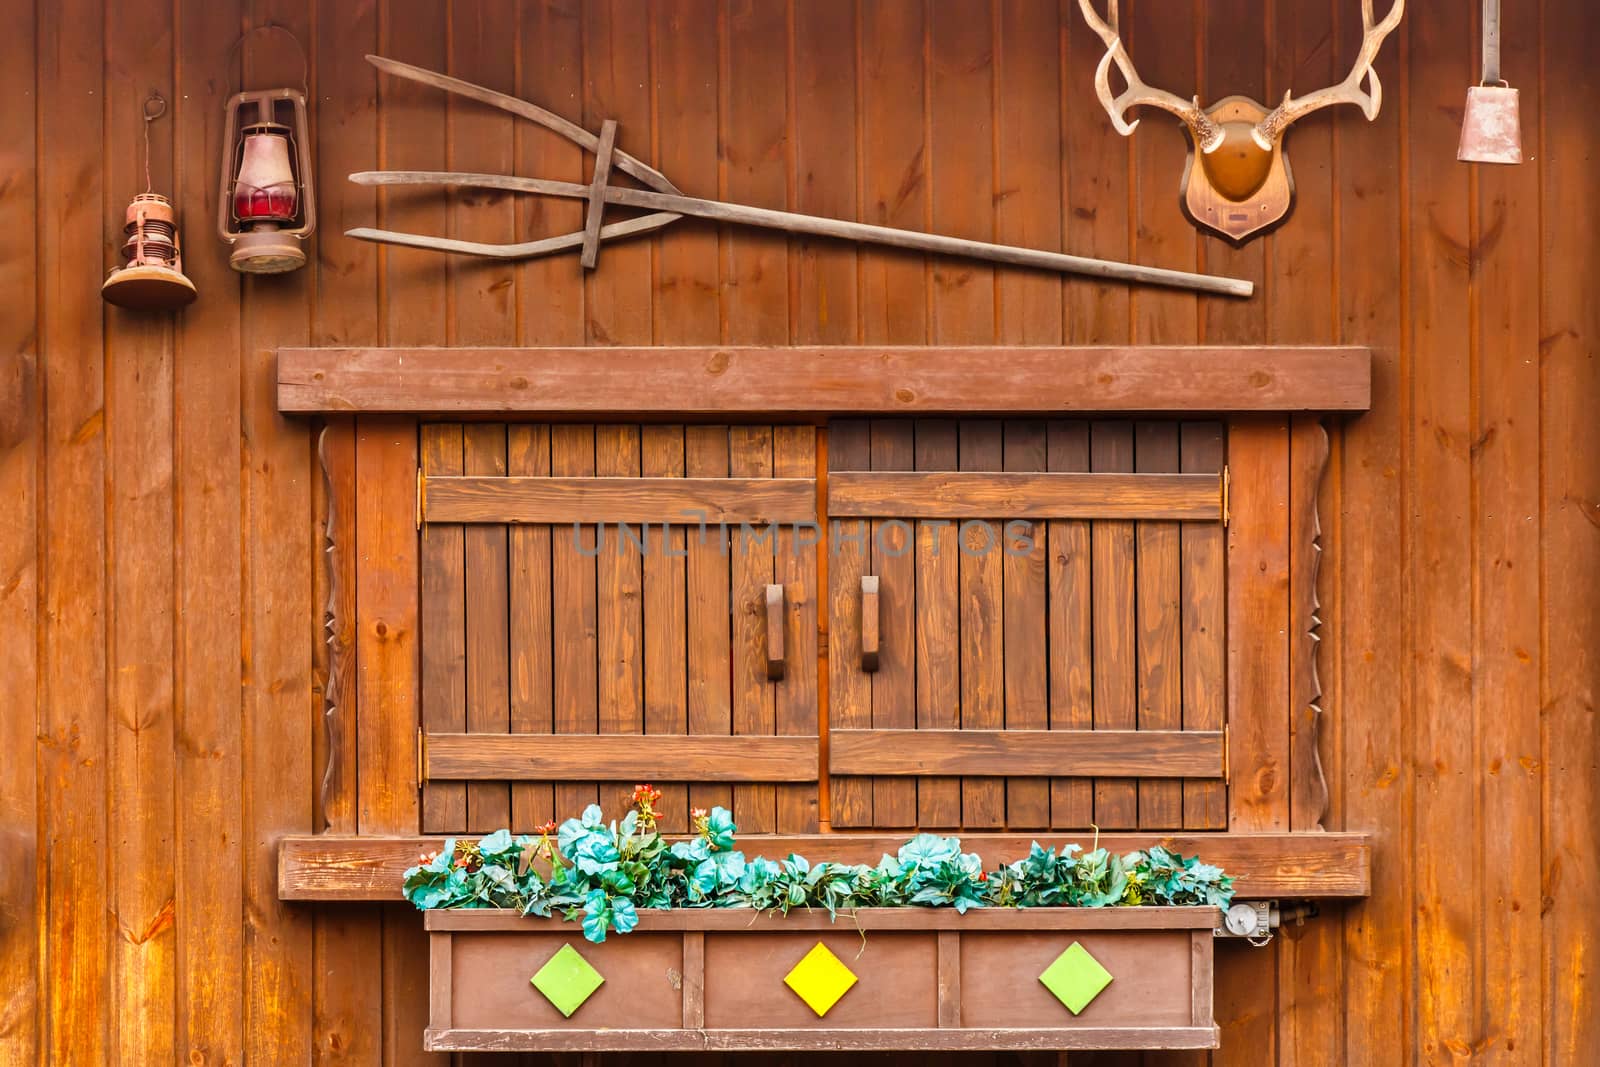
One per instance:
(601,873)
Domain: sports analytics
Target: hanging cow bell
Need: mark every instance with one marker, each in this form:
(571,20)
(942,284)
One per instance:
(1492,130)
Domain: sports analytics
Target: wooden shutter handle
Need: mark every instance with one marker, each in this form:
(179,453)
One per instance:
(869,622)
(774,633)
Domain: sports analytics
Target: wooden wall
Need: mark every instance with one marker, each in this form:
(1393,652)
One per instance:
(159,578)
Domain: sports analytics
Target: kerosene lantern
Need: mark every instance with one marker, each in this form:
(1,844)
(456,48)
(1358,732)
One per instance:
(266,208)
(151,276)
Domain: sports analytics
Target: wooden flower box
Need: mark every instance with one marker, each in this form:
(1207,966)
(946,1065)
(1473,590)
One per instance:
(923,979)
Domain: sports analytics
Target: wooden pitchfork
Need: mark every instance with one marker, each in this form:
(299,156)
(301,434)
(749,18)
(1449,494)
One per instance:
(666,204)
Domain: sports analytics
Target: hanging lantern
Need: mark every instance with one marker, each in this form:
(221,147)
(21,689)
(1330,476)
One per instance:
(151,277)
(1491,132)
(266,209)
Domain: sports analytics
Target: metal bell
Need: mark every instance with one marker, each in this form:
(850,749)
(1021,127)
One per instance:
(1492,129)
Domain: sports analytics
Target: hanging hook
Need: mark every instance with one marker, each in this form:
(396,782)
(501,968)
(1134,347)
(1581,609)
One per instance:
(268,27)
(150,116)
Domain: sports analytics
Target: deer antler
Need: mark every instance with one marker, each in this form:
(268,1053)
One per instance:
(1349,91)
(1207,134)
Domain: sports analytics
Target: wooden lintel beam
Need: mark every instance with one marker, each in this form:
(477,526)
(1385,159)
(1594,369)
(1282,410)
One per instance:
(1311,866)
(912,380)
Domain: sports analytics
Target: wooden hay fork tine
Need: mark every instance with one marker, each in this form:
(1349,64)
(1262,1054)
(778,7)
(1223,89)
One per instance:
(669,204)
(579,136)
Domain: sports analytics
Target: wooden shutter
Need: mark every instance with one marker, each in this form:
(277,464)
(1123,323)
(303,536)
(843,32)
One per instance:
(1074,587)
(569,588)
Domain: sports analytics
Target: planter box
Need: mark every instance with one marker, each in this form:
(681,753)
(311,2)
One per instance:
(922,979)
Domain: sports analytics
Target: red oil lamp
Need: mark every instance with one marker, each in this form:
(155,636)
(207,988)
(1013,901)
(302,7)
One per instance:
(266,209)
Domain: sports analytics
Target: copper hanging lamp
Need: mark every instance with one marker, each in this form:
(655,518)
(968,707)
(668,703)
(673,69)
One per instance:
(152,277)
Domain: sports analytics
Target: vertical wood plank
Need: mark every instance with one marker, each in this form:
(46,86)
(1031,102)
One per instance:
(666,633)
(1116,802)
(530,624)
(1569,492)
(709,613)
(1509,656)
(575,625)
(443,645)
(618,311)
(619,588)
(753,83)
(1071,647)
(894,697)
(1026,663)
(1370,635)
(893,164)
(1448,893)
(685,43)
(72,718)
(1203,625)
(961,102)
(1158,637)
(694,980)
(488,640)
(616,55)
(893,309)
(949,978)
(794,455)
(938,626)
(412,134)
(21,446)
(823,139)
(1258,621)
(139,581)
(752,552)
(851,704)
(1028,307)
(281,713)
(208,445)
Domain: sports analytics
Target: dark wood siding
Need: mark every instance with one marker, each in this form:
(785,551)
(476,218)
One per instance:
(161,642)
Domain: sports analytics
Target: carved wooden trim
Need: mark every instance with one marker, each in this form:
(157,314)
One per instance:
(1308,448)
(337,622)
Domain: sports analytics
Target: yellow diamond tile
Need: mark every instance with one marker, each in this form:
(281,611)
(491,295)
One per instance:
(820,979)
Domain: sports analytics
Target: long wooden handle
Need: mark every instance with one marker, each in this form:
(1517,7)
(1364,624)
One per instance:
(775,666)
(928,242)
(869,622)
(812,224)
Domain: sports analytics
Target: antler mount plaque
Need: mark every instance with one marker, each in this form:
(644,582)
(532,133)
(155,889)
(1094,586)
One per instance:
(1243,185)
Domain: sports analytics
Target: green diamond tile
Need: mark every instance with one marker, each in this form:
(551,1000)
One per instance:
(567,980)
(1075,978)
(820,979)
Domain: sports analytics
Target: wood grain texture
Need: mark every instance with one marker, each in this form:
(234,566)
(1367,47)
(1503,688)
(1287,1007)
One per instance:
(649,499)
(1457,511)
(1025,496)
(21,448)
(964,378)
(1034,753)
(1293,866)
(657,757)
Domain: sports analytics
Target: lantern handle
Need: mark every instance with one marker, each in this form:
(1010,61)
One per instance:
(150,115)
(267,27)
